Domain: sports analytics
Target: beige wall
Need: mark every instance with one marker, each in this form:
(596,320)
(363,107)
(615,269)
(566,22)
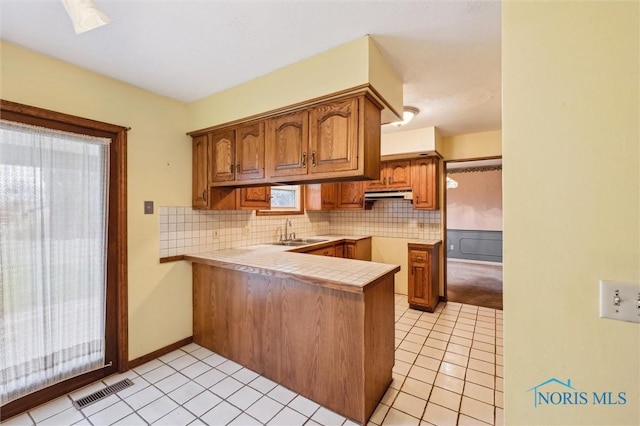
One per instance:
(476,204)
(159,169)
(571,204)
(472,145)
(346,66)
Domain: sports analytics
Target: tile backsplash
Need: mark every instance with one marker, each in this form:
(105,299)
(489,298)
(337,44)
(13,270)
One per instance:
(184,230)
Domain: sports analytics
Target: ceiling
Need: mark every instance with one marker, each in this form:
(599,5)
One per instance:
(447,52)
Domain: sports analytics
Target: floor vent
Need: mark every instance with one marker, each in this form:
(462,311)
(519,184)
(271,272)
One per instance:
(101,394)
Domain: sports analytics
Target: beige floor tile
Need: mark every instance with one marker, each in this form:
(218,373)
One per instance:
(397,380)
(415,338)
(482,355)
(439,416)
(478,392)
(400,334)
(462,341)
(420,331)
(411,347)
(447,322)
(499,417)
(499,385)
(427,362)
(449,383)
(482,366)
(499,399)
(487,347)
(464,326)
(499,350)
(452,370)
(450,317)
(455,359)
(440,336)
(405,320)
(499,372)
(476,409)
(410,404)
(422,374)
(480,378)
(465,318)
(499,341)
(484,339)
(499,360)
(412,314)
(402,327)
(405,356)
(442,329)
(398,418)
(416,388)
(389,396)
(378,415)
(486,331)
(435,343)
(469,421)
(432,352)
(462,333)
(445,398)
(458,349)
(401,367)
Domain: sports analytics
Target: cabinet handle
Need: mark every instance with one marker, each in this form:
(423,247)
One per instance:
(384,180)
(313,158)
(238,168)
(231,169)
(304,160)
(204,195)
(390,180)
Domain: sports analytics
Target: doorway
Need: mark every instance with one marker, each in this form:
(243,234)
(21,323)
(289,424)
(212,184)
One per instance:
(473,233)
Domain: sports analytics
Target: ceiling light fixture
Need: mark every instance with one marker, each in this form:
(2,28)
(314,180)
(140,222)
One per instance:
(408,113)
(85,15)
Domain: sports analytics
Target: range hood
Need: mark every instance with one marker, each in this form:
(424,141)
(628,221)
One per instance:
(387,195)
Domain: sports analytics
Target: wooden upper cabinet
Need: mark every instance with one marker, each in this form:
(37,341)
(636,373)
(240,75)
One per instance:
(254,198)
(222,146)
(350,196)
(333,140)
(393,175)
(425,183)
(200,173)
(250,152)
(288,142)
(321,196)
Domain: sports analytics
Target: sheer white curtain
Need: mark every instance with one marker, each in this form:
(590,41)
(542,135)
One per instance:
(53,218)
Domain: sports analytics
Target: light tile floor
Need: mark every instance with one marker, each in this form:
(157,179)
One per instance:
(448,371)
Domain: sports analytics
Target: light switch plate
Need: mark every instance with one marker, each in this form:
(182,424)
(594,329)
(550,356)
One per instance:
(620,301)
(148,207)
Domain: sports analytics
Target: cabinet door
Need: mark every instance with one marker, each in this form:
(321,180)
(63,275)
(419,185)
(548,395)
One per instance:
(380,184)
(325,251)
(250,152)
(333,140)
(254,198)
(329,196)
(222,156)
(419,278)
(350,195)
(425,183)
(339,250)
(288,141)
(349,250)
(200,173)
(398,174)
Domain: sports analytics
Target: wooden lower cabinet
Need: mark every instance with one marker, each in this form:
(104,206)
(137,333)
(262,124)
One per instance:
(423,276)
(324,251)
(349,249)
(333,346)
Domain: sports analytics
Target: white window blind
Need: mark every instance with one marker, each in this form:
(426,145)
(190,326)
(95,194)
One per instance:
(53,228)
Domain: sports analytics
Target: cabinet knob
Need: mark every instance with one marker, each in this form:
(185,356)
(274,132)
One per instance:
(231,168)
(204,195)
(304,160)
(313,158)
(238,168)
(384,180)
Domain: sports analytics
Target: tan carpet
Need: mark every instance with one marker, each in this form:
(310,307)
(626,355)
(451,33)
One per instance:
(474,284)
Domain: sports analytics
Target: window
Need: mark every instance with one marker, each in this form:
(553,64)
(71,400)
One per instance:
(285,200)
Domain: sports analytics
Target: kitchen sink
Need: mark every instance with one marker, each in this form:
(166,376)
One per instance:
(299,242)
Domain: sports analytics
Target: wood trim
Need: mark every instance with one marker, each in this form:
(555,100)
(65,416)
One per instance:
(363,88)
(171,258)
(117,294)
(160,352)
(301,195)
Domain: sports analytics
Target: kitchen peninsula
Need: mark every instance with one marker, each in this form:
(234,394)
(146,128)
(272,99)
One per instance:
(320,326)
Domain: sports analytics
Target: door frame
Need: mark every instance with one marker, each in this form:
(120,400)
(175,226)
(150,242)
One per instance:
(117,339)
(443,219)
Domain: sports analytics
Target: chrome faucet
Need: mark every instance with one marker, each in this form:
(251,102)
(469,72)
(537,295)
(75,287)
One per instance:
(287,224)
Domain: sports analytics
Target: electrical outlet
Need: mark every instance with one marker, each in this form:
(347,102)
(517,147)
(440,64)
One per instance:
(148,207)
(245,231)
(620,301)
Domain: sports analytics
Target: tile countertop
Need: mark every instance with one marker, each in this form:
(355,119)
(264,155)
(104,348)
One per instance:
(426,242)
(333,272)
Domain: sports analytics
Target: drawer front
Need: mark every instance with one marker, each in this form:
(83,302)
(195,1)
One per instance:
(418,256)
